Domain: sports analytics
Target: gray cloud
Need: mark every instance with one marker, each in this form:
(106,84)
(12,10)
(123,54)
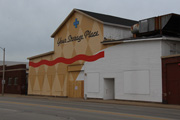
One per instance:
(26,25)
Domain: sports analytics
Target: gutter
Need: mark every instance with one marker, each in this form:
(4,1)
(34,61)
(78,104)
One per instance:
(139,40)
(41,55)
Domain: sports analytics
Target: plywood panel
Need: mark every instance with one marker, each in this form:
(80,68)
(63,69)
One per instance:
(46,87)
(75,67)
(71,91)
(76,88)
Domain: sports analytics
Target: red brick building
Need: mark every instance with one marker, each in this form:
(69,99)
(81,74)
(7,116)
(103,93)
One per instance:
(15,79)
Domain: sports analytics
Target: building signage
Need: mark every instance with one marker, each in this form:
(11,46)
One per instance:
(87,34)
(76,23)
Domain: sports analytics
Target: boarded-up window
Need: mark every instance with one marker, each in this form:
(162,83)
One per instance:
(136,82)
(93,82)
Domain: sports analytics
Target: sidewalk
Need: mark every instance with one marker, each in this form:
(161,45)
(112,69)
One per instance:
(120,102)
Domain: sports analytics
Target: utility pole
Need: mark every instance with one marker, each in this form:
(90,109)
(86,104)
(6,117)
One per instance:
(3,80)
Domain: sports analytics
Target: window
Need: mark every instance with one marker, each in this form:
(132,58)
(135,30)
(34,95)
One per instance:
(9,81)
(15,80)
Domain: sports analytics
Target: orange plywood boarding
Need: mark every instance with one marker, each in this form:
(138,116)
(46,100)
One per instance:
(75,89)
(74,68)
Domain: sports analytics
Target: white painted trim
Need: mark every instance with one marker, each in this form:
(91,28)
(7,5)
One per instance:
(148,39)
(139,40)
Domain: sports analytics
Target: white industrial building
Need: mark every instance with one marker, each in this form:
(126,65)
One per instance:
(131,69)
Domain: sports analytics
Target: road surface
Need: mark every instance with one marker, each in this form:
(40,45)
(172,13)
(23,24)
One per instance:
(20,108)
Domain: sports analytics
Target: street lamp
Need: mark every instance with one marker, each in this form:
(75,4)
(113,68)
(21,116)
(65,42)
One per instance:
(3,81)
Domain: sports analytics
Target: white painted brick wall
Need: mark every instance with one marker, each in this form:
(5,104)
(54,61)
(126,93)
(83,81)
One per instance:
(129,56)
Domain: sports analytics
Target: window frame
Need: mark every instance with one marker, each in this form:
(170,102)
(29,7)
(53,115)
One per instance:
(16,81)
(10,80)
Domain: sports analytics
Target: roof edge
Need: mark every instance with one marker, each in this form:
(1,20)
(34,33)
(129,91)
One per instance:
(105,42)
(170,56)
(117,25)
(55,32)
(41,55)
(128,41)
(88,15)
(74,10)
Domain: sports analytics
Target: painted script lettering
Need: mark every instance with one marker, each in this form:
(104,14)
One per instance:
(60,41)
(87,34)
(90,34)
(75,38)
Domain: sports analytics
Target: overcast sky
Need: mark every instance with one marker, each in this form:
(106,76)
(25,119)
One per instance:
(26,25)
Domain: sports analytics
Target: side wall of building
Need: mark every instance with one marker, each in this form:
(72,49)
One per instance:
(59,78)
(135,68)
(112,32)
(15,77)
(170,48)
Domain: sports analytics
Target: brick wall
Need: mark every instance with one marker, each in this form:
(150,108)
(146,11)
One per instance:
(15,77)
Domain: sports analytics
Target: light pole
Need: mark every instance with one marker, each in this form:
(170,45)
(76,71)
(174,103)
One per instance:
(3,81)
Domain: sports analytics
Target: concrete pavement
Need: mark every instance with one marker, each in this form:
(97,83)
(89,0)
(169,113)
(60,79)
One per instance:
(41,107)
(120,102)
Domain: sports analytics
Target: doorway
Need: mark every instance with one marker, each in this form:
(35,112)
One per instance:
(109,89)
(75,87)
(173,83)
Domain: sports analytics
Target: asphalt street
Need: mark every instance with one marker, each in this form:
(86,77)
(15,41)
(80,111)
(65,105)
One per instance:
(20,108)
